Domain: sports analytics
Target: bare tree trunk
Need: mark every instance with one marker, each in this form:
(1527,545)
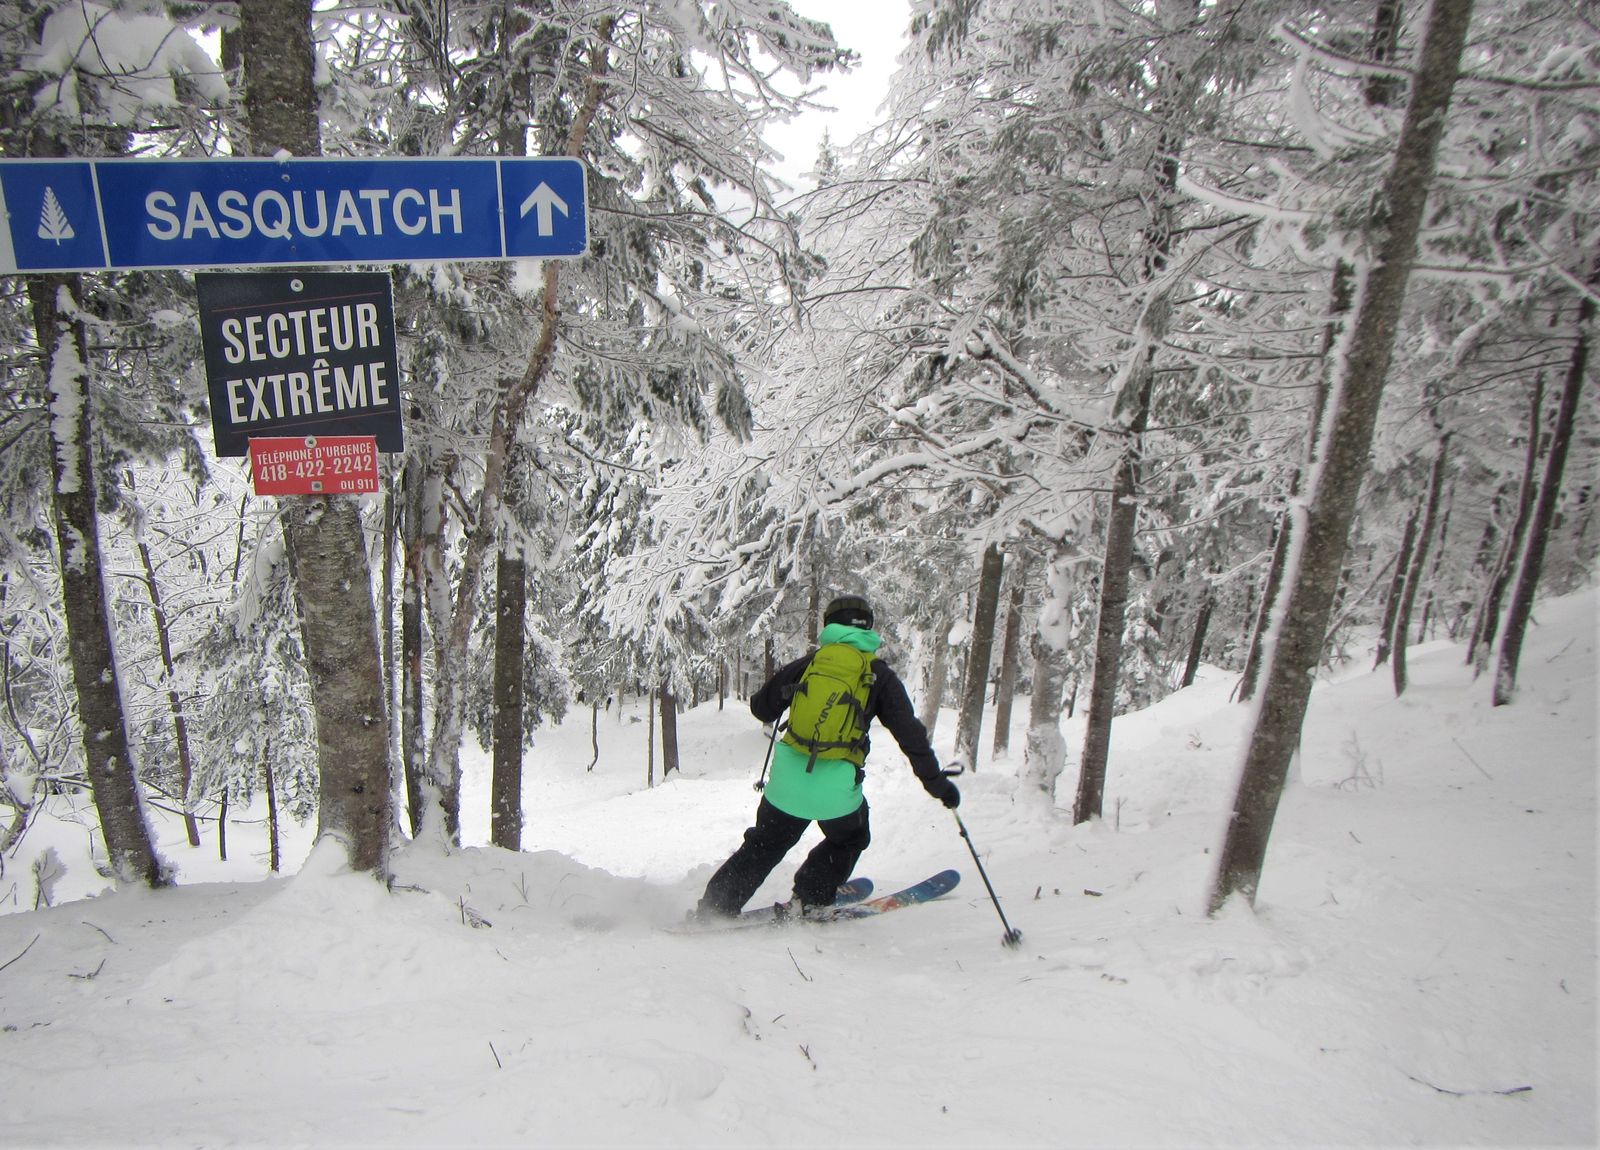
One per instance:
(386,627)
(669,730)
(1044,754)
(118,797)
(1122,522)
(412,751)
(505,785)
(1488,621)
(594,733)
(1419,564)
(1322,539)
(1397,585)
(180,723)
(450,698)
(1006,689)
(1544,511)
(1197,641)
(975,688)
(270,782)
(1439,552)
(326,549)
(650,742)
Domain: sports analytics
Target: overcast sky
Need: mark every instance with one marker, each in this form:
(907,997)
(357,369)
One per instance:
(875,31)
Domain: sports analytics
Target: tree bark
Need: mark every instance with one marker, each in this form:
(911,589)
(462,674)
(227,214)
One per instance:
(1322,539)
(975,688)
(1419,564)
(1006,689)
(1397,586)
(1544,510)
(594,734)
(412,754)
(270,784)
(326,548)
(118,797)
(1197,641)
(1487,625)
(1122,522)
(650,741)
(505,786)
(669,730)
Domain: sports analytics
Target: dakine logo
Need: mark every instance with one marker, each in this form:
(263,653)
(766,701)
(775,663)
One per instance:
(53,222)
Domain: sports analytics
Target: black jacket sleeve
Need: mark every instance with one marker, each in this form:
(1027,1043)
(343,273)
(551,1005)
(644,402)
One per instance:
(889,704)
(772,700)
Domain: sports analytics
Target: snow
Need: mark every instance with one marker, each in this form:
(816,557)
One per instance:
(1419,968)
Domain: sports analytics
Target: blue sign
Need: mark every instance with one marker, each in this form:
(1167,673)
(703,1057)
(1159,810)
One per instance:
(91,215)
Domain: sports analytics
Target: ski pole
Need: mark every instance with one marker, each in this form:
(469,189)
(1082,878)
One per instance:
(761,784)
(1012,936)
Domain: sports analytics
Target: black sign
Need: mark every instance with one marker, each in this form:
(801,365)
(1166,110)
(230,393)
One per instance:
(310,353)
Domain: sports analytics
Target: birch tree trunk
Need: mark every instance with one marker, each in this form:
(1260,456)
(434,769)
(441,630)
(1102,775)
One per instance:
(1544,510)
(975,687)
(326,549)
(1321,539)
(118,797)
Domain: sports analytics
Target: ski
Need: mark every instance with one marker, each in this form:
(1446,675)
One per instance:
(927,890)
(850,892)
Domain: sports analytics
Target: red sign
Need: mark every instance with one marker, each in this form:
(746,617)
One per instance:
(315,465)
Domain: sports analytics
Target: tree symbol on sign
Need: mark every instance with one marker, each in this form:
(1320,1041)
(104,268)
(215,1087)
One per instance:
(53,222)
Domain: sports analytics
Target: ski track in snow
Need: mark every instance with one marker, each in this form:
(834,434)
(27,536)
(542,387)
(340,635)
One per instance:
(1419,969)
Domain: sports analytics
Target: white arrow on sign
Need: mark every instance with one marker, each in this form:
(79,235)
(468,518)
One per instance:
(544,199)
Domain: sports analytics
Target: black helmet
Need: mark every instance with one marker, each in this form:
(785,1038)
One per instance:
(851,610)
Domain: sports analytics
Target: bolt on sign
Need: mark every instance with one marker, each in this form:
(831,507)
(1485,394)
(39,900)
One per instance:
(300,354)
(331,465)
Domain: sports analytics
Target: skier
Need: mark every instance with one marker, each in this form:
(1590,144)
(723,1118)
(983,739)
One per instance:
(832,696)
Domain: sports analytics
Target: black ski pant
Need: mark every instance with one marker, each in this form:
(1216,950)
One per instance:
(817,881)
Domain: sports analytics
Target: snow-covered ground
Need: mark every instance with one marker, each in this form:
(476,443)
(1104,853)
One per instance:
(1419,969)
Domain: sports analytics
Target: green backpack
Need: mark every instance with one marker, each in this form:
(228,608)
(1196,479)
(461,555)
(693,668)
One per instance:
(828,711)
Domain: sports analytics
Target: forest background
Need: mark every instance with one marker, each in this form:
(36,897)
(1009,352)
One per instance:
(1128,339)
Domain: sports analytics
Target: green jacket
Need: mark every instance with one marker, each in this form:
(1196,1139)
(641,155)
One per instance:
(832,786)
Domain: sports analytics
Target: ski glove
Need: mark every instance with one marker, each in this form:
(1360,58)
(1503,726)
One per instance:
(945,791)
